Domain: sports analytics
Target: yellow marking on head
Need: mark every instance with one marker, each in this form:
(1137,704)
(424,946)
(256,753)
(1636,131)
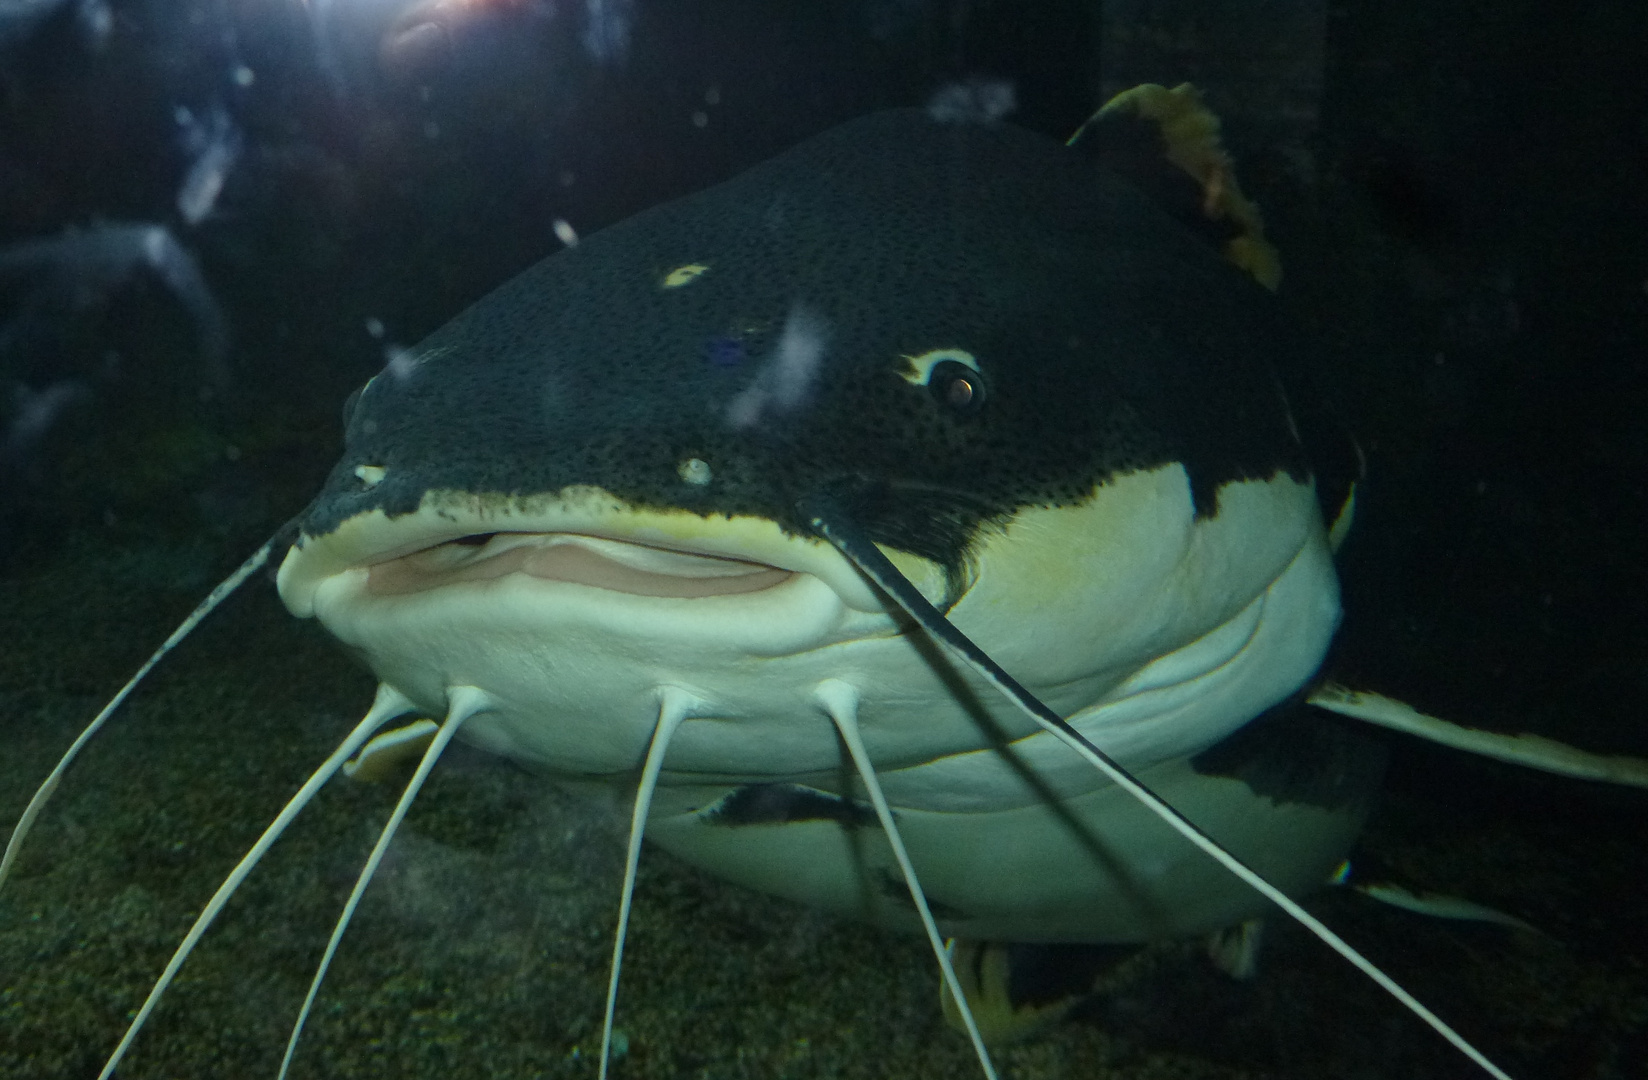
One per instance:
(684,275)
(918,369)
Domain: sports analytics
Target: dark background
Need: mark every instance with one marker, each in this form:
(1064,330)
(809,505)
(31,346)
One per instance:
(1459,191)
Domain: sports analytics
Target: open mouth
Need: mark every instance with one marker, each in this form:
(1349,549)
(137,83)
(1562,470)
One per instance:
(587,539)
(599,562)
(572,614)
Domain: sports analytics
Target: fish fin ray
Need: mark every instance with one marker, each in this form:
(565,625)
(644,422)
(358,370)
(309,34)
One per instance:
(1525,749)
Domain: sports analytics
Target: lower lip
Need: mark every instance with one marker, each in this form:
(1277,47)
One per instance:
(576,561)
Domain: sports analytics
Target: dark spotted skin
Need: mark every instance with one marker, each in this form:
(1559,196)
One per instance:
(1295,753)
(1111,338)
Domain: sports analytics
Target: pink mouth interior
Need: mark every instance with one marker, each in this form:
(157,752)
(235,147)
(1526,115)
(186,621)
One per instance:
(641,570)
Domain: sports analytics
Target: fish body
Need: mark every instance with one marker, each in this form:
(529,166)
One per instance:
(1055,407)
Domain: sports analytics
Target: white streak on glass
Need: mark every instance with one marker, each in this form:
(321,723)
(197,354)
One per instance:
(787,376)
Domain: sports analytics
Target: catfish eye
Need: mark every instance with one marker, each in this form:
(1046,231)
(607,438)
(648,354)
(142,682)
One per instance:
(957,387)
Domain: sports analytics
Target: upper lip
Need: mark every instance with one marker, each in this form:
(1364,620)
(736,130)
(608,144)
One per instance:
(644,540)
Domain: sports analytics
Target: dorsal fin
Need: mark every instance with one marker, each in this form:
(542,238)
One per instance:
(1166,143)
(1158,138)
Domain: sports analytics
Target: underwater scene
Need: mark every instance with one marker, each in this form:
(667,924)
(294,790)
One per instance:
(958,537)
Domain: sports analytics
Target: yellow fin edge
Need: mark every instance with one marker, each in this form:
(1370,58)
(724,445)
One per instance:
(1190,131)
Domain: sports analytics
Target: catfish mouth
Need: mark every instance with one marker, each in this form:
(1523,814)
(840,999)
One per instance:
(598,562)
(582,540)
